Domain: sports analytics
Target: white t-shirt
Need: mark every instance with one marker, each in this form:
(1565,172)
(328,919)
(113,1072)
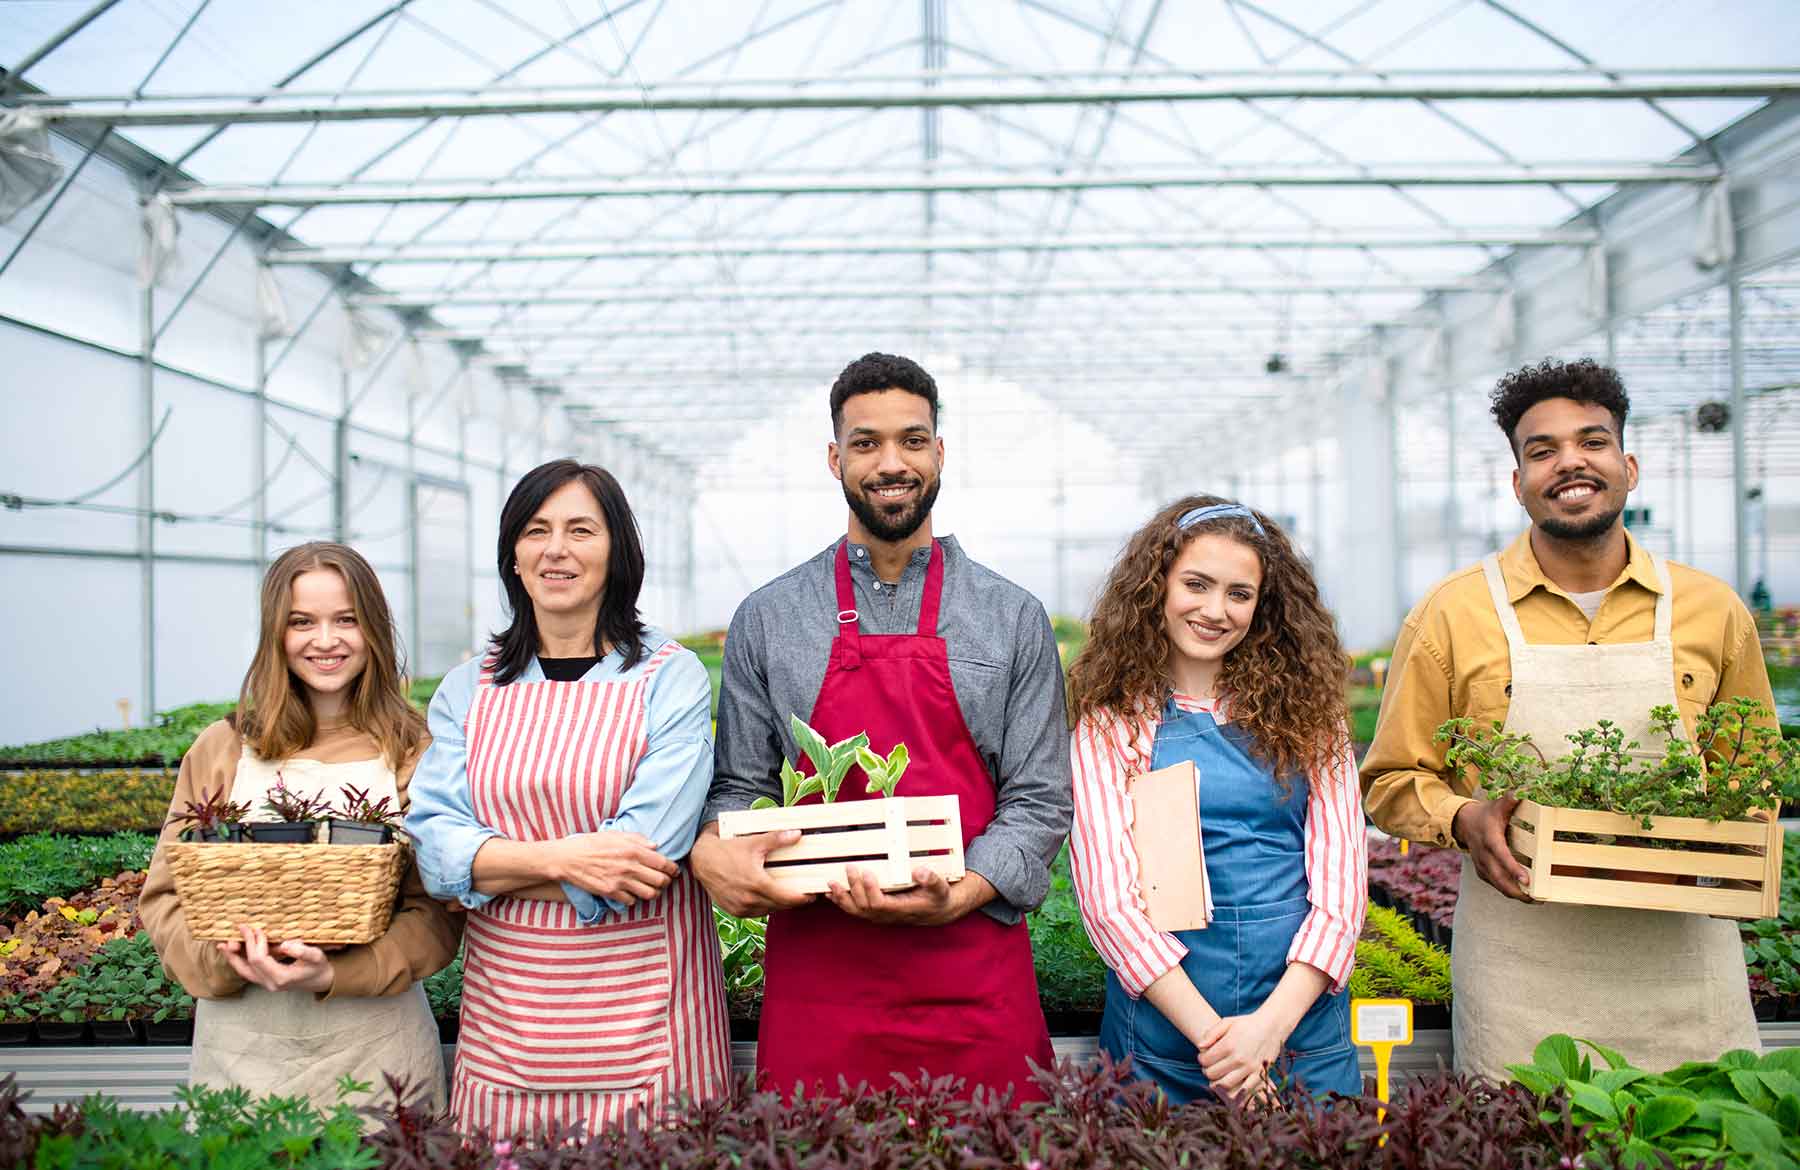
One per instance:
(1589,602)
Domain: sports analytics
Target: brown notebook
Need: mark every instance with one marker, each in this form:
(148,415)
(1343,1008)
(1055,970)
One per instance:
(1165,828)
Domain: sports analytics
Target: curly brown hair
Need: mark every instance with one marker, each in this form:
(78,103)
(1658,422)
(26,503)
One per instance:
(1584,381)
(1285,680)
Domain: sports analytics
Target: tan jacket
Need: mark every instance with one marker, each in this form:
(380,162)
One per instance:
(422,938)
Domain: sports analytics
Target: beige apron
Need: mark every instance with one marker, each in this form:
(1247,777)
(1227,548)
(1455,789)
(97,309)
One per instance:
(1659,987)
(291,1042)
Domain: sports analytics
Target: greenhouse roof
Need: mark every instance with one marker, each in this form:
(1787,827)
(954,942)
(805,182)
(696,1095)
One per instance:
(698,211)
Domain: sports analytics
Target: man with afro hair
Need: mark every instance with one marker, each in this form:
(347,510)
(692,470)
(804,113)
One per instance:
(1575,622)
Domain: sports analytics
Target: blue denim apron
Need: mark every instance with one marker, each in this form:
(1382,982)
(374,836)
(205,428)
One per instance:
(1256,861)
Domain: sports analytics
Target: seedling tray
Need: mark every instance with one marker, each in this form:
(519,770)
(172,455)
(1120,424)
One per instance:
(1729,869)
(890,837)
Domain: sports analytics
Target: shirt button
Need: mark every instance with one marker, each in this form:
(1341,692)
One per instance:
(860,553)
(878,587)
(1687,680)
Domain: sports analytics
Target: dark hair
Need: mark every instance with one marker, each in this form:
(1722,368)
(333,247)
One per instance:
(1583,381)
(873,372)
(617,621)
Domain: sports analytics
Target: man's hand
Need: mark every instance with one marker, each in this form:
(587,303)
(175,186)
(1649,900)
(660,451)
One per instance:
(931,902)
(291,966)
(733,872)
(1237,1052)
(624,867)
(1480,826)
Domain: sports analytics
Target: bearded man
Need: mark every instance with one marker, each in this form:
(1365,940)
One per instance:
(897,633)
(1574,623)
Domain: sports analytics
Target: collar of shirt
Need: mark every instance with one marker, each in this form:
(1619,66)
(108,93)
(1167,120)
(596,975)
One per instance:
(862,564)
(1522,574)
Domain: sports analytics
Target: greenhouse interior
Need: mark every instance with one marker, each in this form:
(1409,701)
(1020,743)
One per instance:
(363,356)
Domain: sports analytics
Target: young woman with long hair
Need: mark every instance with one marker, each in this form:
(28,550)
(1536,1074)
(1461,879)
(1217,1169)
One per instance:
(321,708)
(1209,644)
(566,776)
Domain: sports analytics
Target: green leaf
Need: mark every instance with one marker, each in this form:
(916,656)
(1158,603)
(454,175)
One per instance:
(1786,1059)
(791,780)
(1593,1100)
(1661,1115)
(1613,1058)
(1752,1133)
(1616,1078)
(811,742)
(1787,1113)
(1739,1058)
(1557,1054)
(1534,1078)
(1749,1086)
(763,802)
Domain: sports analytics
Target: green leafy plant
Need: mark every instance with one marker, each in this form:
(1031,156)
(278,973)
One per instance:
(212,812)
(165,742)
(1742,1110)
(1735,764)
(44,865)
(831,762)
(443,990)
(883,772)
(1393,961)
(63,801)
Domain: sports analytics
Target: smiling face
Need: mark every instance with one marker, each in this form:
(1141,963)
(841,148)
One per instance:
(1573,474)
(1209,600)
(324,642)
(889,459)
(561,555)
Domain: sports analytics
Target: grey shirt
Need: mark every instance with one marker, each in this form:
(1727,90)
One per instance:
(1003,666)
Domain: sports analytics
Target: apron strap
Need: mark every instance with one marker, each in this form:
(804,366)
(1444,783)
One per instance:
(849,636)
(934,592)
(1665,601)
(1509,621)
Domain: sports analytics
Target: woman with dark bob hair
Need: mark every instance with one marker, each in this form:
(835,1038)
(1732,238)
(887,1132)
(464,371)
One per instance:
(563,788)
(1209,645)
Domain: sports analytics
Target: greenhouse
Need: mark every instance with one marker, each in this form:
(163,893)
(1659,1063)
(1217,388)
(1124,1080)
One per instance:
(576,565)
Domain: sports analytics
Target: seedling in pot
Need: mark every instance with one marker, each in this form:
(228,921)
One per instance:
(213,817)
(358,820)
(296,817)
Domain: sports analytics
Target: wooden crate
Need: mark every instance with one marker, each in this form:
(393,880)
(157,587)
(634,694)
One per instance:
(892,836)
(1747,868)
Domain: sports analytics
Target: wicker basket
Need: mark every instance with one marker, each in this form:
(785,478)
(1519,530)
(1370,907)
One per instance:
(317,893)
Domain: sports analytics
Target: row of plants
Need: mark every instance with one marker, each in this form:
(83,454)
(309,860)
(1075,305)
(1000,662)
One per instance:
(1737,1113)
(54,800)
(43,865)
(1394,962)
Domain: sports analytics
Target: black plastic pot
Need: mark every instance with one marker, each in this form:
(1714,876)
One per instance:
(61,1033)
(360,832)
(1073,1023)
(172,1032)
(112,1033)
(230,834)
(447,1029)
(1430,1017)
(1767,1010)
(283,832)
(14,1032)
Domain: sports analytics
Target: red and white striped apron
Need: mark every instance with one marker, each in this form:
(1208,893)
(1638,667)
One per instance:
(563,1022)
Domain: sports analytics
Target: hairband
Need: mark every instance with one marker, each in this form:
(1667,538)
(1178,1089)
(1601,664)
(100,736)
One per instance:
(1219,512)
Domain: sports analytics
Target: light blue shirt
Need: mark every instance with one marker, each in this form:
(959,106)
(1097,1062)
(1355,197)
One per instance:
(663,802)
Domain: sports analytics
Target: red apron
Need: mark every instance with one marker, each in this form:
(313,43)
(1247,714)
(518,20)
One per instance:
(847,997)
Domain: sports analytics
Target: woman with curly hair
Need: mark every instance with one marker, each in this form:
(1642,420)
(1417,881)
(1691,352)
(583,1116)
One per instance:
(1209,644)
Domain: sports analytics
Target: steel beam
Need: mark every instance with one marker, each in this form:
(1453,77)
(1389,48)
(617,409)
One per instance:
(835,94)
(536,337)
(1071,288)
(502,251)
(621,186)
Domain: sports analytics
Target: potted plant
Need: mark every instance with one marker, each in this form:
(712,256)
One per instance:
(357,820)
(1606,824)
(296,817)
(213,817)
(891,836)
(15,1020)
(61,1012)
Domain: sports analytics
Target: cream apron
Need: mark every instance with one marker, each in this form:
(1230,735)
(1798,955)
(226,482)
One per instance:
(291,1042)
(1659,987)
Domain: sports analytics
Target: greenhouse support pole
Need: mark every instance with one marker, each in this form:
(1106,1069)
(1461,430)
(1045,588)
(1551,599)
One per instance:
(1740,503)
(340,464)
(1452,511)
(259,448)
(1687,483)
(147,489)
(462,474)
(1390,407)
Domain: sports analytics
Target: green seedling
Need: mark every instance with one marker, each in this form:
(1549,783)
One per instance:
(831,762)
(884,774)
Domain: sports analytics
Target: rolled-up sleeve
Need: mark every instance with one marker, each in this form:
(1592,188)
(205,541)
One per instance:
(441,818)
(1337,871)
(1034,802)
(668,788)
(1103,860)
(1404,782)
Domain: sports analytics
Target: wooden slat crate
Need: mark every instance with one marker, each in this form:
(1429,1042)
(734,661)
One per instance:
(1743,857)
(892,837)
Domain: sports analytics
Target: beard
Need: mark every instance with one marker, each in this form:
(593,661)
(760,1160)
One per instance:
(888,527)
(1591,528)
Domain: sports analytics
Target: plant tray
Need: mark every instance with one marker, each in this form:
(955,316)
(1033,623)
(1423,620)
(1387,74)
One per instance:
(318,893)
(1729,869)
(892,836)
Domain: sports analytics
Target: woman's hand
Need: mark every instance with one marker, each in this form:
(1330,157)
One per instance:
(623,867)
(1237,1052)
(291,966)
